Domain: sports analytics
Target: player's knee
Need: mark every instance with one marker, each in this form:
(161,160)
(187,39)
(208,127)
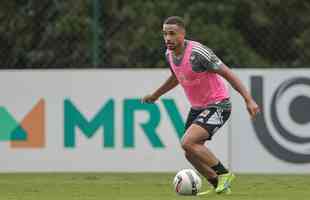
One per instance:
(189,155)
(187,145)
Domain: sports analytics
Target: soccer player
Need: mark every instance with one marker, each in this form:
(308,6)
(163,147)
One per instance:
(200,72)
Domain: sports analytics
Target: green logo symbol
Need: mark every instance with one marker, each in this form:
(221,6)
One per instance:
(29,132)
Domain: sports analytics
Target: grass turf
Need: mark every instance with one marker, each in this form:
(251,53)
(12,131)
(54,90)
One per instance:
(142,186)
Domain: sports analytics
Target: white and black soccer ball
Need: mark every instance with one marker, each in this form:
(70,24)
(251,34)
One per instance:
(187,182)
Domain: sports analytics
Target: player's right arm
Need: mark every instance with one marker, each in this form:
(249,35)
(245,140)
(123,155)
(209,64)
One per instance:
(169,84)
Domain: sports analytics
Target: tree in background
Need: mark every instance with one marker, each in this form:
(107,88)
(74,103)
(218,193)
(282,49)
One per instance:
(59,34)
(276,30)
(44,34)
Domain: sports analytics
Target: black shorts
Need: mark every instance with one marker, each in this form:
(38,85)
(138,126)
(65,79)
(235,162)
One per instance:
(211,118)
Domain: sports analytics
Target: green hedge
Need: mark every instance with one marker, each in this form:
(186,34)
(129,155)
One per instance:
(57,34)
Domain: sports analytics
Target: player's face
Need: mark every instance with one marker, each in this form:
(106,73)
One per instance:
(174,36)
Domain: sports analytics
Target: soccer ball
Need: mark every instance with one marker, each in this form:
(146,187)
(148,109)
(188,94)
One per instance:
(187,182)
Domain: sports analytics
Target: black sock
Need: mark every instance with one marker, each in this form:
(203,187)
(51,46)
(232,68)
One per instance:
(213,181)
(219,169)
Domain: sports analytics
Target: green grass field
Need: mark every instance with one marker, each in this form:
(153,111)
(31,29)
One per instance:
(142,186)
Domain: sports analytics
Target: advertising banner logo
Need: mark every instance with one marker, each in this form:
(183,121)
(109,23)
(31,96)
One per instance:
(29,133)
(286,144)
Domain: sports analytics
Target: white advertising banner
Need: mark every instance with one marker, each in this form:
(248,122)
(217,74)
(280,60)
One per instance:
(92,120)
(278,140)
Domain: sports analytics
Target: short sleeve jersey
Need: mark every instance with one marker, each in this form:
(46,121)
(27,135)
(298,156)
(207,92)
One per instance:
(202,58)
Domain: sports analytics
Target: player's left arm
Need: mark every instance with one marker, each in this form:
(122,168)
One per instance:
(236,83)
(207,59)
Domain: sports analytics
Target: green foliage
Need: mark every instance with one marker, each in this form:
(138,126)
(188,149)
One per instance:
(53,34)
(45,34)
(274,29)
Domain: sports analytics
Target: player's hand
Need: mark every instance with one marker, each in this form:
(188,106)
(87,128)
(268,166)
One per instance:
(149,99)
(253,108)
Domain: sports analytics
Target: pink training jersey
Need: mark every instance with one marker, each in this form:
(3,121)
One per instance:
(201,89)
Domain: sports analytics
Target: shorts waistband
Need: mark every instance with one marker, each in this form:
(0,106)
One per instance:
(214,103)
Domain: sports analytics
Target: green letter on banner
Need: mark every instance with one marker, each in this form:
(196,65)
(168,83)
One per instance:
(174,116)
(104,118)
(132,105)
